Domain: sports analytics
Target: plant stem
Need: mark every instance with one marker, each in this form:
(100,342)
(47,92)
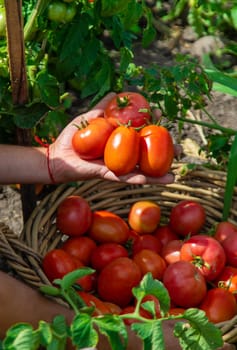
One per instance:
(29,26)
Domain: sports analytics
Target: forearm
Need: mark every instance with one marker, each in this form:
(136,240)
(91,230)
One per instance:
(19,164)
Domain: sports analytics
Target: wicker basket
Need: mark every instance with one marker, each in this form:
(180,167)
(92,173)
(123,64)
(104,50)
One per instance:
(24,254)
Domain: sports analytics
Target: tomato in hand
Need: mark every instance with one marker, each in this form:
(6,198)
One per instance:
(57,263)
(74,216)
(150,261)
(219,305)
(128,108)
(80,247)
(186,285)
(156,150)
(89,141)
(206,253)
(144,216)
(108,227)
(121,151)
(105,253)
(116,280)
(187,217)
(146,242)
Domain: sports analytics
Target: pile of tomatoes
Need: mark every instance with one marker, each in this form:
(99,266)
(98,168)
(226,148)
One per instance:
(198,269)
(126,138)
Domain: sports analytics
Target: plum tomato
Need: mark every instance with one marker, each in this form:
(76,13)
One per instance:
(121,151)
(105,253)
(230,247)
(147,241)
(186,285)
(171,251)
(156,150)
(219,305)
(187,218)
(74,216)
(87,282)
(144,216)
(128,108)
(117,279)
(80,247)
(206,253)
(57,263)
(223,230)
(150,261)
(108,227)
(165,234)
(89,141)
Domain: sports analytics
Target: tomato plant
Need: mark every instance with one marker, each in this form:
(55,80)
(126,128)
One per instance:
(206,253)
(144,216)
(105,253)
(185,284)
(146,241)
(150,261)
(116,155)
(219,305)
(74,216)
(57,263)
(108,227)
(129,108)
(116,280)
(89,141)
(156,150)
(80,247)
(187,217)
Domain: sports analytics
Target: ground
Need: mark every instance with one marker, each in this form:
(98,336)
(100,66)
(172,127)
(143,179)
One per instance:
(222,107)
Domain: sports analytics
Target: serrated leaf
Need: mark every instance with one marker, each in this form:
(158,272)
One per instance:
(151,333)
(45,333)
(21,337)
(83,333)
(199,333)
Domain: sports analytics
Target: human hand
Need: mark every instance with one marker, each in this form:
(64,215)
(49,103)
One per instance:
(66,165)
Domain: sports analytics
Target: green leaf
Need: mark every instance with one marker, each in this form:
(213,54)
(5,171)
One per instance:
(48,87)
(83,333)
(151,333)
(28,117)
(199,333)
(231,179)
(21,337)
(114,328)
(152,286)
(45,333)
(233,13)
(70,278)
(50,290)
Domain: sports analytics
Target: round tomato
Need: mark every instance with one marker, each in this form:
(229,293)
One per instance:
(171,251)
(219,305)
(156,150)
(79,247)
(116,280)
(105,253)
(61,12)
(230,247)
(206,254)
(185,284)
(227,279)
(121,151)
(156,305)
(74,216)
(57,263)
(150,261)
(129,108)
(165,234)
(144,216)
(224,230)
(100,308)
(187,217)
(108,227)
(89,141)
(146,242)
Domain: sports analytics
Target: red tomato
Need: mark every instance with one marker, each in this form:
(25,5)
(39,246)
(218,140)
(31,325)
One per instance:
(92,301)
(113,308)
(206,254)
(176,311)
(80,247)
(122,150)
(57,263)
(150,261)
(230,247)
(156,303)
(107,227)
(187,217)
(87,283)
(74,216)
(146,242)
(224,230)
(105,253)
(171,251)
(165,234)
(116,280)
(89,141)
(219,305)
(128,107)
(227,279)
(144,216)
(185,284)
(156,150)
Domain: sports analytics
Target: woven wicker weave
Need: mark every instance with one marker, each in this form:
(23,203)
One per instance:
(24,254)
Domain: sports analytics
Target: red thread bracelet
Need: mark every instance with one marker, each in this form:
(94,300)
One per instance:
(48,166)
